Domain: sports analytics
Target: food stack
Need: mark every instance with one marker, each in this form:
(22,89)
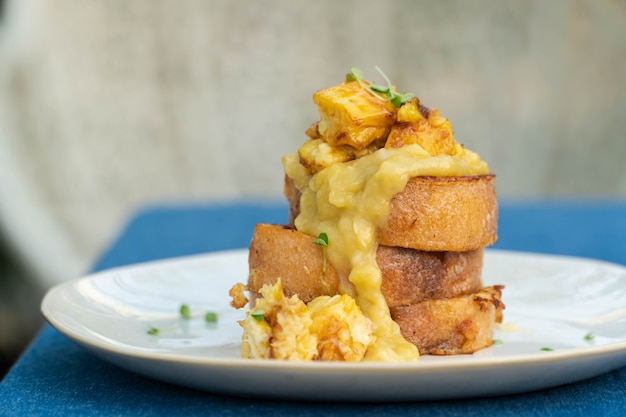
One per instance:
(429,236)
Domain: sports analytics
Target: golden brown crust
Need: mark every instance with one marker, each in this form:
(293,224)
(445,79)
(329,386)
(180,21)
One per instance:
(409,276)
(293,197)
(279,252)
(452,326)
(455,214)
(443,214)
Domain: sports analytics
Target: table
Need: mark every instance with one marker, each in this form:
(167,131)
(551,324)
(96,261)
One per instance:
(55,377)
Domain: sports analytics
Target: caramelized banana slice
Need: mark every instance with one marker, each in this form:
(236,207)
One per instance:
(351,115)
(431,131)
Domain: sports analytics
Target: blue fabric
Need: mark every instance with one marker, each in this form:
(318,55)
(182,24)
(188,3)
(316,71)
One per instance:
(588,229)
(55,377)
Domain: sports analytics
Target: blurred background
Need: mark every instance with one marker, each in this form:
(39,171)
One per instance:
(108,106)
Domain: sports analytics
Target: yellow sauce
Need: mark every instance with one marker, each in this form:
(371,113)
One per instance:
(349,201)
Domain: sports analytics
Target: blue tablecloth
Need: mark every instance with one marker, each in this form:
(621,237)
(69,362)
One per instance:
(55,377)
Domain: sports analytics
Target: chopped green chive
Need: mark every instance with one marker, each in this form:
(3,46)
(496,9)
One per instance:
(547,349)
(153,330)
(497,341)
(210,317)
(257,314)
(588,337)
(185,312)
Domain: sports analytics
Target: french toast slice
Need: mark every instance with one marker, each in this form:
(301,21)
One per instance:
(436,298)
(408,276)
(457,214)
(452,326)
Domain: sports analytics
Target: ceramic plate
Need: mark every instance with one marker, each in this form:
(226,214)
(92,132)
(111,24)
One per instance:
(565,321)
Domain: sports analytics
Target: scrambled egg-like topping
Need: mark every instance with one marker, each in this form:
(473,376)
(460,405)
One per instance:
(328,328)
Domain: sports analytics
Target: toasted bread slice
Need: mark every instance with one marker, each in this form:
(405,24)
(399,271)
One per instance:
(408,276)
(451,326)
(279,252)
(455,214)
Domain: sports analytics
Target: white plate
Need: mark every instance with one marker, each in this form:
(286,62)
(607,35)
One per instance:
(552,302)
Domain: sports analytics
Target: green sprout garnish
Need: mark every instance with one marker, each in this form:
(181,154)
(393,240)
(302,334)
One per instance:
(185,312)
(355,74)
(257,314)
(388,92)
(547,349)
(588,337)
(322,240)
(392,95)
(210,317)
(497,341)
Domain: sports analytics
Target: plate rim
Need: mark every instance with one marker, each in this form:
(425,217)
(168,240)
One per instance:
(460,361)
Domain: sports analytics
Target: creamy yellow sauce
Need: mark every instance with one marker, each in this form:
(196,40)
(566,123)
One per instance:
(349,201)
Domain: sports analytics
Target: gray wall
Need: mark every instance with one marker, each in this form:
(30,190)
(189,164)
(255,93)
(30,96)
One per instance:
(109,105)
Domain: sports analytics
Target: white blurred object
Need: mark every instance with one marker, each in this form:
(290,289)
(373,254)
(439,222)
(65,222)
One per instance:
(107,106)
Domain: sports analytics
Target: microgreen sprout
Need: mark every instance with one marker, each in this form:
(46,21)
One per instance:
(588,337)
(355,74)
(322,240)
(390,92)
(185,311)
(387,92)
(257,314)
(210,317)
(547,349)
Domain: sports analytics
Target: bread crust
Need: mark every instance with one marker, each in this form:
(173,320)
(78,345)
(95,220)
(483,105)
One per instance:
(455,214)
(280,252)
(443,214)
(408,276)
(411,276)
(292,194)
(452,326)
